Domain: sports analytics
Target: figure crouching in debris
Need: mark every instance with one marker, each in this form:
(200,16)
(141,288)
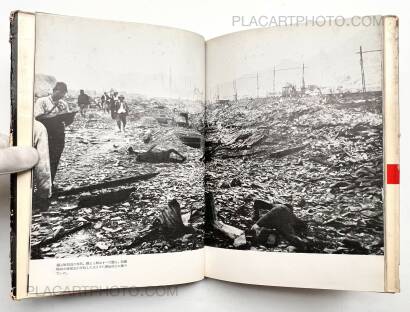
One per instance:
(281,220)
(121,108)
(168,156)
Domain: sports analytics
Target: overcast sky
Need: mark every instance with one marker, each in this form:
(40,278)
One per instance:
(158,61)
(329,54)
(99,55)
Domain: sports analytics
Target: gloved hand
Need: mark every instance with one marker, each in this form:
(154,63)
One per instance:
(16,158)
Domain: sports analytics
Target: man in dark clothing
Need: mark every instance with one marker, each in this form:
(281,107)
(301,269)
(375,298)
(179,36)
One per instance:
(83,102)
(105,102)
(158,157)
(55,115)
(121,112)
(282,219)
(113,103)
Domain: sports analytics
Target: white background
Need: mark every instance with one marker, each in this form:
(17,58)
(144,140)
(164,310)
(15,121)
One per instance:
(213,18)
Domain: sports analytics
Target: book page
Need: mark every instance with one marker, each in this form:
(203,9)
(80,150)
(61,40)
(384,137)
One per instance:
(294,150)
(117,195)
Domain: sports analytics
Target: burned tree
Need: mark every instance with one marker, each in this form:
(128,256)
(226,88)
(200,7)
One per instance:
(236,235)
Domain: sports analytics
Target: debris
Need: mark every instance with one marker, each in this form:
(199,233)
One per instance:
(289,151)
(338,170)
(236,182)
(102,245)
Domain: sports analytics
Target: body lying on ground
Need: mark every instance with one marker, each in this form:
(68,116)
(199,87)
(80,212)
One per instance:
(150,156)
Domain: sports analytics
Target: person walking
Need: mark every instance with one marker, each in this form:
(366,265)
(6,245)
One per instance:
(121,109)
(113,103)
(83,102)
(105,102)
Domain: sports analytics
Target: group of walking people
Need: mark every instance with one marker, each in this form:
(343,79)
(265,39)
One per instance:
(115,104)
(111,103)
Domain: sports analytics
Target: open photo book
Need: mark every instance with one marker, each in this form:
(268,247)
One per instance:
(266,156)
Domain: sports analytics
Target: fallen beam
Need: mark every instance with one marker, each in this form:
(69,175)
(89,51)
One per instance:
(289,151)
(107,198)
(35,248)
(278,154)
(321,161)
(191,141)
(104,185)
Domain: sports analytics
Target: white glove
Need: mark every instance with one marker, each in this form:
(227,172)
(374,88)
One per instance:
(16,158)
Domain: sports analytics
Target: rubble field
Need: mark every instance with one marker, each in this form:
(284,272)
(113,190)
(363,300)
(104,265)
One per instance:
(106,221)
(323,158)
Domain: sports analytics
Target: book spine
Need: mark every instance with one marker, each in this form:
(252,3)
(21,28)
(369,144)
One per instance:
(13,138)
(391,153)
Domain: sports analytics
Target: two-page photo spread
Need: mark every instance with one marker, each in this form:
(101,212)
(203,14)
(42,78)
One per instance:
(256,157)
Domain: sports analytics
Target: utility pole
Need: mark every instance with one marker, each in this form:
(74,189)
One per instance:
(257,85)
(235,92)
(302,89)
(274,78)
(361,52)
(362,70)
(170,80)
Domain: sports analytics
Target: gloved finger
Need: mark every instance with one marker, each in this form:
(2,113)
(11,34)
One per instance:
(17,158)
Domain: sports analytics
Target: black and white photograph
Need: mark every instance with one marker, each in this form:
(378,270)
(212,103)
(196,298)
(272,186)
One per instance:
(294,140)
(205,155)
(118,125)
(209,155)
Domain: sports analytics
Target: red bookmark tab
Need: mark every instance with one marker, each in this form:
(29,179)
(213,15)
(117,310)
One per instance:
(393,173)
